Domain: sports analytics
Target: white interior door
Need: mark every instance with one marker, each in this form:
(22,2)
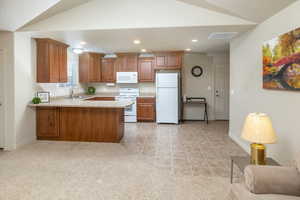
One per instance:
(2,128)
(221,92)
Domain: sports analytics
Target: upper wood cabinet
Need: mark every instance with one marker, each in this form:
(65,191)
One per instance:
(146,69)
(126,62)
(108,72)
(90,67)
(168,60)
(51,61)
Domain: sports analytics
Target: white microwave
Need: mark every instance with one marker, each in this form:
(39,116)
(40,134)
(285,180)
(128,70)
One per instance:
(127,77)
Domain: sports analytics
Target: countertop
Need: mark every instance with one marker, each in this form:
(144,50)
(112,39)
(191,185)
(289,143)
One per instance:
(115,94)
(68,102)
(82,102)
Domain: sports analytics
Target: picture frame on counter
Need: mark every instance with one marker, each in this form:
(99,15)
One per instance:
(44,96)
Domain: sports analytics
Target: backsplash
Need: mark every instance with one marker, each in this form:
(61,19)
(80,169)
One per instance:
(56,91)
(103,87)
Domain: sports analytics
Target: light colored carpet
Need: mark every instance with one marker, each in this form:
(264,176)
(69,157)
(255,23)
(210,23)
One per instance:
(153,162)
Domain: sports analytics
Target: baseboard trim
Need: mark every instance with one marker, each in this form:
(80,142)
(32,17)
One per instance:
(237,140)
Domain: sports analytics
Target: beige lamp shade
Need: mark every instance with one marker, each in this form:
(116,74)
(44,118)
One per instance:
(258,129)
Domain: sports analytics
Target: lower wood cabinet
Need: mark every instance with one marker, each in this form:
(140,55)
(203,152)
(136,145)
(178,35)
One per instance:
(80,124)
(47,122)
(146,109)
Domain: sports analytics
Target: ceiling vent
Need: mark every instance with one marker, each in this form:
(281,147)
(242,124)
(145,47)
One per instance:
(222,35)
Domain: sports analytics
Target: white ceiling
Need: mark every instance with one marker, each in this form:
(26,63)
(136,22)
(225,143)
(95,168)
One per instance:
(252,10)
(61,6)
(111,26)
(155,39)
(16,13)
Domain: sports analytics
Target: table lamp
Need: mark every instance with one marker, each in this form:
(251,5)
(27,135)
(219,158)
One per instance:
(258,130)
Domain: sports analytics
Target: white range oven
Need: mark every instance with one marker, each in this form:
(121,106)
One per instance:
(129,94)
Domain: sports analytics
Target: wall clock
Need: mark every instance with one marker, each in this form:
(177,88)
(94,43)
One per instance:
(197,71)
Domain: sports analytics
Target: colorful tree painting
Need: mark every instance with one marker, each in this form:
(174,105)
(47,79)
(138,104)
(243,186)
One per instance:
(281,62)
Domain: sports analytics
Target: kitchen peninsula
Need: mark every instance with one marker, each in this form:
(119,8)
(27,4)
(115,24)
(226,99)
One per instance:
(88,120)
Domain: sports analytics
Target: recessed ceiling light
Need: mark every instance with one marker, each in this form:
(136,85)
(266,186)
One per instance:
(78,50)
(144,50)
(83,43)
(188,49)
(136,41)
(194,40)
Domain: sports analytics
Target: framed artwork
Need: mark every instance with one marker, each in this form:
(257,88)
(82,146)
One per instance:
(281,62)
(44,96)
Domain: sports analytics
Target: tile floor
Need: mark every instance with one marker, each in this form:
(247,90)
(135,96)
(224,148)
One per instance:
(153,162)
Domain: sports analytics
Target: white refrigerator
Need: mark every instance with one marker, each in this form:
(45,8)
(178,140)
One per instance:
(167,97)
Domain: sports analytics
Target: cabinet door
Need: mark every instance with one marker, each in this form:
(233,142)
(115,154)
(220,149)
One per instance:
(84,68)
(161,60)
(146,109)
(63,66)
(108,73)
(131,63)
(174,60)
(127,63)
(47,120)
(54,62)
(146,70)
(120,63)
(51,61)
(94,68)
(43,70)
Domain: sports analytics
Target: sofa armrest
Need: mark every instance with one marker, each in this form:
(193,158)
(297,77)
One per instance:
(272,180)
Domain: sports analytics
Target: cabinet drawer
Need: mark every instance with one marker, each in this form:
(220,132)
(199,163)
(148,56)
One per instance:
(145,100)
(101,99)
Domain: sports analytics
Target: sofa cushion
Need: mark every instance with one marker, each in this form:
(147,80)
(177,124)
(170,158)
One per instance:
(272,180)
(242,193)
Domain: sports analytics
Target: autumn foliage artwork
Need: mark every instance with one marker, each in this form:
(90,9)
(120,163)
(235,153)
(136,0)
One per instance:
(281,62)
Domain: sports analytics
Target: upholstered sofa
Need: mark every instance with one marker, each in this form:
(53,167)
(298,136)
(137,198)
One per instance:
(286,179)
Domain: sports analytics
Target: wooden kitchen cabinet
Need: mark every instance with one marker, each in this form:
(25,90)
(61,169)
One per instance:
(92,124)
(47,122)
(80,124)
(168,60)
(51,61)
(126,62)
(108,72)
(146,70)
(146,109)
(90,67)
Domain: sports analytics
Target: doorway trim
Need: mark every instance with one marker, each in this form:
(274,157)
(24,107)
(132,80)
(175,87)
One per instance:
(225,92)
(4,103)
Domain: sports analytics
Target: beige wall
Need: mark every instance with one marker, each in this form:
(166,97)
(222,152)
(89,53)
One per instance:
(247,94)
(7,43)
(24,65)
(203,86)
(198,86)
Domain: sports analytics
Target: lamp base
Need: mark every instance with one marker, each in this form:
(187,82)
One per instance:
(258,154)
